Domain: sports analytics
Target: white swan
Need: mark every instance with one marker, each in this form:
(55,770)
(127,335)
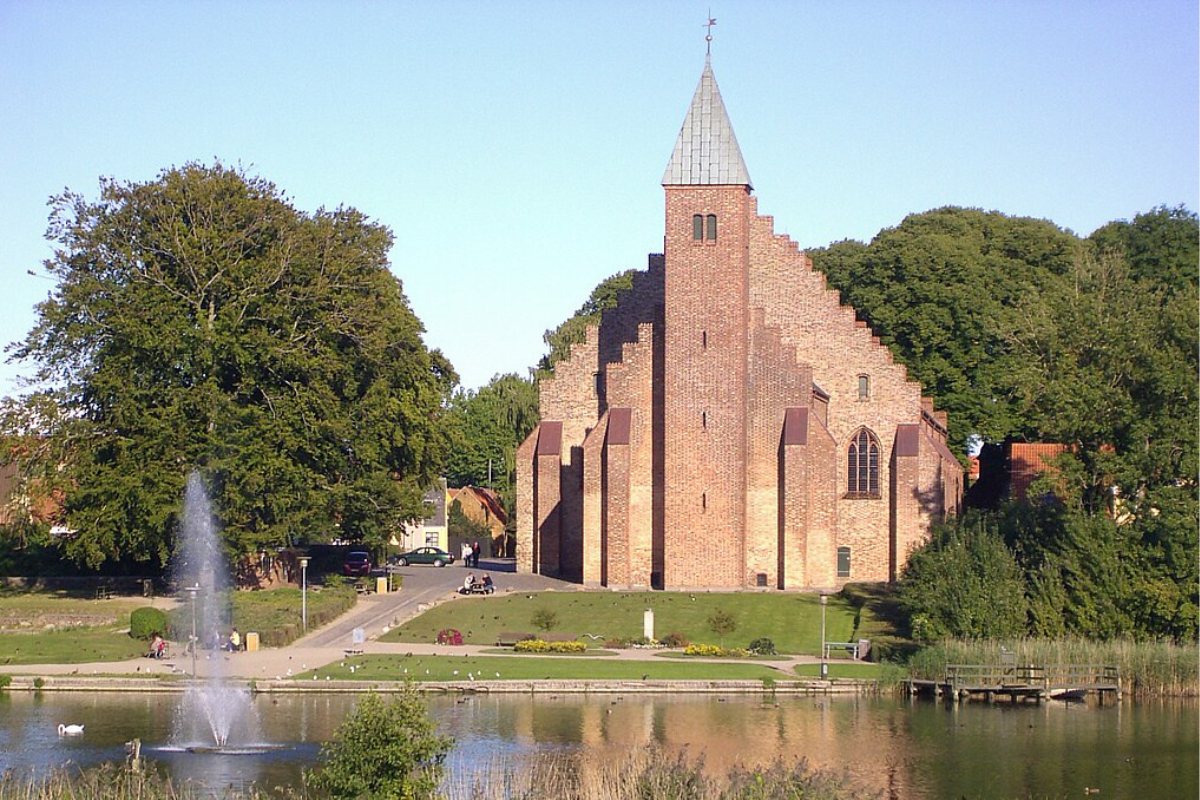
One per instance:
(69,730)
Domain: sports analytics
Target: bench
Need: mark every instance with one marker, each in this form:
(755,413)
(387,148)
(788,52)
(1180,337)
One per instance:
(855,650)
(353,651)
(364,588)
(479,588)
(509,638)
(103,593)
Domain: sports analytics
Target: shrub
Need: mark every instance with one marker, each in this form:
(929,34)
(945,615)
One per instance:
(675,640)
(383,749)
(5,681)
(715,651)
(545,619)
(763,646)
(542,646)
(146,621)
(449,636)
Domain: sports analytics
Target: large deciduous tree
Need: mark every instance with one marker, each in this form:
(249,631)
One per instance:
(201,322)
(486,427)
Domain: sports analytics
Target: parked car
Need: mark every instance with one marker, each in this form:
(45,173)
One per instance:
(357,563)
(423,555)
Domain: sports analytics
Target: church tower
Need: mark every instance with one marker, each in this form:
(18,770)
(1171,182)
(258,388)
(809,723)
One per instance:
(708,212)
(728,423)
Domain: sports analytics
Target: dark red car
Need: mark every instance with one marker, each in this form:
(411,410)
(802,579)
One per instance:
(357,563)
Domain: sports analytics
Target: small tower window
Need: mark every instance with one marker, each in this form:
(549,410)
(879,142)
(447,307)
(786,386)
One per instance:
(704,420)
(703,340)
(712,227)
(704,501)
(698,227)
(864,387)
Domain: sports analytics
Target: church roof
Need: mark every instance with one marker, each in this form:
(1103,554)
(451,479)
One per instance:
(707,152)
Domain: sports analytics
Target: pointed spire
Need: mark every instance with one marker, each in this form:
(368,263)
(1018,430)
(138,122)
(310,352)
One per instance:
(707,152)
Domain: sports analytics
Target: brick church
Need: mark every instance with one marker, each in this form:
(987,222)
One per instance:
(729,424)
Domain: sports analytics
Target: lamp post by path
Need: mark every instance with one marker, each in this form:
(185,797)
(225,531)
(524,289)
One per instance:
(304,592)
(824,666)
(192,592)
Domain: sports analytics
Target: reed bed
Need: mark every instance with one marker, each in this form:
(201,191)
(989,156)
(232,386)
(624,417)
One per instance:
(645,774)
(1148,669)
(642,774)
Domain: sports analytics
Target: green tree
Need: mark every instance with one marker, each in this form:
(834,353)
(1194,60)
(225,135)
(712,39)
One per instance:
(964,582)
(939,290)
(385,749)
(604,296)
(486,427)
(722,623)
(201,322)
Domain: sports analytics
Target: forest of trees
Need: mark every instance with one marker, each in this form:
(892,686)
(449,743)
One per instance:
(200,322)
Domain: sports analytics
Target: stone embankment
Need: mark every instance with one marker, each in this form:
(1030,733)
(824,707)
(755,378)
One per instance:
(100,683)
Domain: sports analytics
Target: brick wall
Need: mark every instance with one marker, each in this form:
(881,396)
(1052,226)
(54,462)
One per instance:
(707,317)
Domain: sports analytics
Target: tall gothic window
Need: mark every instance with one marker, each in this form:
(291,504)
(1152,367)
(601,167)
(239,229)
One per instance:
(712,227)
(698,227)
(862,465)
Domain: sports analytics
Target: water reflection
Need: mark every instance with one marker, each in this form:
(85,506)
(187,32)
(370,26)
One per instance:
(904,750)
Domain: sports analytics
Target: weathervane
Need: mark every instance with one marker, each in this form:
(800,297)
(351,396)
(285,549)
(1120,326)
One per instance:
(708,36)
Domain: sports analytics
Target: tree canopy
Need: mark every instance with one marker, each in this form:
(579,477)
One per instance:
(485,428)
(201,322)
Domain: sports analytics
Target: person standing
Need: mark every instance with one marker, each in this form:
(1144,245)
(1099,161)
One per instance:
(475,555)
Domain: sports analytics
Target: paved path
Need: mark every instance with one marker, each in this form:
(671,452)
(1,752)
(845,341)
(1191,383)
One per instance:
(373,614)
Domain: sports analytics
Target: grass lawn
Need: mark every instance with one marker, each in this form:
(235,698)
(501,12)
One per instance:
(792,621)
(485,668)
(68,627)
(70,646)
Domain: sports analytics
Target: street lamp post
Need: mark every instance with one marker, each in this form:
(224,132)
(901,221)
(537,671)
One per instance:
(304,592)
(192,591)
(824,665)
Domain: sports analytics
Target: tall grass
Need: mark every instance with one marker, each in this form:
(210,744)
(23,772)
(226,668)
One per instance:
(645,774)
(640,774)
(1148,669)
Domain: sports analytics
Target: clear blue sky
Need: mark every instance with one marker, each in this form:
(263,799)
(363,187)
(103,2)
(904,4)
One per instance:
(515,148)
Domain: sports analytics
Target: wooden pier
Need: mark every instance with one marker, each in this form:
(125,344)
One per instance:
(991,682)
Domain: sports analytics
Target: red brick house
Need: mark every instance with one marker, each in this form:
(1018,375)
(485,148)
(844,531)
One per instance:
(729,423)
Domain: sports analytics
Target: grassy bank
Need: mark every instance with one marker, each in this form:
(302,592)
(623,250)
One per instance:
(791,621)
(491,668)
(62,627)
(1147,668)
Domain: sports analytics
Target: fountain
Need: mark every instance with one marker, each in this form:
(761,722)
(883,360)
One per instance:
(215,714)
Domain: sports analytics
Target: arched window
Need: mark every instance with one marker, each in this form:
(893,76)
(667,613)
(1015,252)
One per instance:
(712,227)
(698,227)
(864,387)
(862,465)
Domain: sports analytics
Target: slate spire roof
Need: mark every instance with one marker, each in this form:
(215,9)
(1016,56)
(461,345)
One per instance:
(706,153)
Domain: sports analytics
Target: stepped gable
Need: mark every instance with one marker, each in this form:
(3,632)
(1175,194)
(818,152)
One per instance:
(729,423)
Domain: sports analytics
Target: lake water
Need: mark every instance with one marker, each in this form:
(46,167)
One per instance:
(905,750)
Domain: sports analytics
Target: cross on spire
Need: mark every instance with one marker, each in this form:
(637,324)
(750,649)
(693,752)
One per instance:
(708,36)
